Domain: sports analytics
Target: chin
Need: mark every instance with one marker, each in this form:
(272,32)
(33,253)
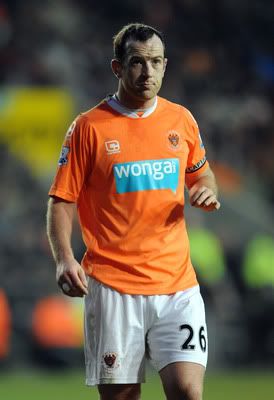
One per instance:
(147,95)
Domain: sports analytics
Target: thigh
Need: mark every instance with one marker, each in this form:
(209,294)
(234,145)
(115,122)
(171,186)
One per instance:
(114,337)
(180,333)
(120,392)
(183,380)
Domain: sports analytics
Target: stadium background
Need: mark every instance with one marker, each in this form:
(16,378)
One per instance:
(55,62)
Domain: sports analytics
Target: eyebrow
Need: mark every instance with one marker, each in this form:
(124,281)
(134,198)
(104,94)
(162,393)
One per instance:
(141,56)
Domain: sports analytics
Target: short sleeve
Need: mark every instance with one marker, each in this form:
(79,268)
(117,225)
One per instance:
(196,161)
(75,162)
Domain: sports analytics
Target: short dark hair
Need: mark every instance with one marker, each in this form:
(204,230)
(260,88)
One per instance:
(134,31)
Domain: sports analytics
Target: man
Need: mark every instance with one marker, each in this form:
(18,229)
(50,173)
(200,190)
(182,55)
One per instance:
(124,164)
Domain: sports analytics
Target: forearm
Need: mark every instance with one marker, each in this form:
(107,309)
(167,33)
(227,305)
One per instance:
(203,191)
(59,229)
(69,273)
(208,180)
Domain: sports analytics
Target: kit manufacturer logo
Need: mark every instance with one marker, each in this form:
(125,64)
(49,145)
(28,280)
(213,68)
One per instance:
(112,146)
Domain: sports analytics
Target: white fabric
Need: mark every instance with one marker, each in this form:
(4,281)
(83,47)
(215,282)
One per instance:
(114,103)
(121,330)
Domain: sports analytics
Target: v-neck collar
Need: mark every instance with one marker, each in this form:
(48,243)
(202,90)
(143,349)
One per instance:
(114,103)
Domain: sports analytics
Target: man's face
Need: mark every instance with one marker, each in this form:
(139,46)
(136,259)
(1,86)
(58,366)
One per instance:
(143,68)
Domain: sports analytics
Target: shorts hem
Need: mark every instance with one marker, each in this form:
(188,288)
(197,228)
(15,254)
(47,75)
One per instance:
(91,382)
(162,365)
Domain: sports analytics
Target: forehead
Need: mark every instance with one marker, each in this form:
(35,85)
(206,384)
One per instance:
(153,47)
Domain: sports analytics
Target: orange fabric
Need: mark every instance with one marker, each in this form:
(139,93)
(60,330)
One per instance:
(133,226)
(5,325)
(54,324)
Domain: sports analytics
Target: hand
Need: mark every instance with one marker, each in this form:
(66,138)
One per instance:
(71,278)
(204,198)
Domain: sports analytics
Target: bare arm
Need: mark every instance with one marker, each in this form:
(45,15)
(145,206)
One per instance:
(59,229)
(203,191)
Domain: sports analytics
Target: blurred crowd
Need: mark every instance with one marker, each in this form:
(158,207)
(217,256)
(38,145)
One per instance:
(221,67)
(221,63)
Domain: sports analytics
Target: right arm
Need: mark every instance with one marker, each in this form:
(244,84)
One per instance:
(60,217)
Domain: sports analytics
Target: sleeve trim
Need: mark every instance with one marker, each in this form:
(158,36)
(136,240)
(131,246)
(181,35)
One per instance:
(197,166)
(63,195)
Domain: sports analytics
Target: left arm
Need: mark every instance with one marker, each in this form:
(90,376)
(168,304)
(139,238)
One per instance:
(203,191)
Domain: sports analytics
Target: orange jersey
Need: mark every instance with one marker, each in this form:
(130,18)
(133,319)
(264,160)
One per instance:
(127,175)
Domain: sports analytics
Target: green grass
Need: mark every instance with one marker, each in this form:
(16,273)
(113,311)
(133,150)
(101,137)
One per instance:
(31,385)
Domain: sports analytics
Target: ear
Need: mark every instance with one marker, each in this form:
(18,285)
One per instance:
(165,64)
(116,67)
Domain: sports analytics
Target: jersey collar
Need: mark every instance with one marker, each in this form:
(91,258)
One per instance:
(114,103)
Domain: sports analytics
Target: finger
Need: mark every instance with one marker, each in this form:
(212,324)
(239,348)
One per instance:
(196,194)
(210,200)
(67,288)
(73,293)
(205,197)
(211,207)
(77,283)
(70,291)
(82,277)
(215,203)
(65,278)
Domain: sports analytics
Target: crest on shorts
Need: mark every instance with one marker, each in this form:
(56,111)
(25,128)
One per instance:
(109,359)
(110,363)
(174,140)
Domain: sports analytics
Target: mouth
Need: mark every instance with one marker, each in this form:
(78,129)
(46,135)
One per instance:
(146,85)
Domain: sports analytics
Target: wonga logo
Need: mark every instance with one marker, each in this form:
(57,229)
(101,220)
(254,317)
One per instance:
(147,175)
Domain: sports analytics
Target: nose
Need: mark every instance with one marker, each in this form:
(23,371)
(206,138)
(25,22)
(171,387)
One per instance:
(147,69)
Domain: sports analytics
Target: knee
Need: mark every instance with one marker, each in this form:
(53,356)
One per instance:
(119,392)
(192,392)
(184,392)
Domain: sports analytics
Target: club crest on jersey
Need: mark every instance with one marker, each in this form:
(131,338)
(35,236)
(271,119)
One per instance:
(63,160)
(174,140)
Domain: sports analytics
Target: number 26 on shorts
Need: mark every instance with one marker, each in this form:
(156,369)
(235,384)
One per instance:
(187,345)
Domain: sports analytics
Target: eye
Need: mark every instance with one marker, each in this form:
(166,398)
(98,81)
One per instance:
(157,61)
(135,61)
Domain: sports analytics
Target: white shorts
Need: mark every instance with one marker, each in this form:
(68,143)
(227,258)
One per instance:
(122,330)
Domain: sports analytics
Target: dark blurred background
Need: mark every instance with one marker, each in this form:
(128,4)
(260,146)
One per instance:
(54,63)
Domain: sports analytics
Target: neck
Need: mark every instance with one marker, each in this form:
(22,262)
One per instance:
(133,103)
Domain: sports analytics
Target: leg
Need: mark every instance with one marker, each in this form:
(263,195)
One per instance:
(120,391)
(114,342)
(183,381)
(178,344)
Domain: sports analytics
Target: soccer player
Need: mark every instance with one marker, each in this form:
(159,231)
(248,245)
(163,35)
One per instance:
(125,164)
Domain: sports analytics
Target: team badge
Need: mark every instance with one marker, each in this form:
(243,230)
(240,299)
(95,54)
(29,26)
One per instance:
(174,140)
(63,160)
(109,359)
(110,362)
